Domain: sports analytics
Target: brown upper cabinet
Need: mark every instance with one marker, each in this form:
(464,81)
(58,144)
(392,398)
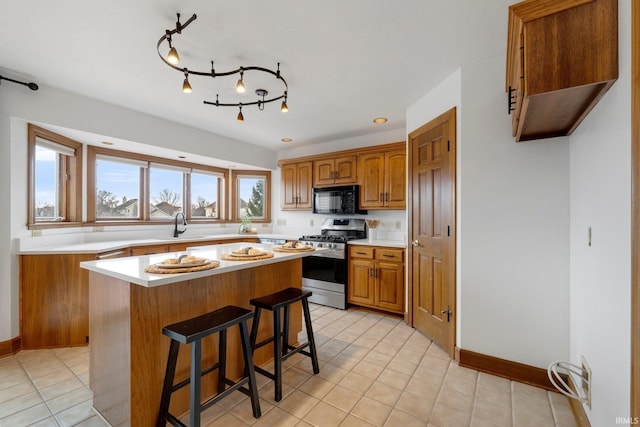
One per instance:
(334,171)
(382,177)
(296,185)
(562,57)
(379,170)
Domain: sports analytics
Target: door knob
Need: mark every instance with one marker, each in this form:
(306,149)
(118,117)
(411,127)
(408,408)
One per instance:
(415,243)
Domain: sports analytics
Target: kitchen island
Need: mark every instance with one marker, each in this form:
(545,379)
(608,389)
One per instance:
(128,309)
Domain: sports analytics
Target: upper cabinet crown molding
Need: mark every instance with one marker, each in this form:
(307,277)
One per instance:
(562,57)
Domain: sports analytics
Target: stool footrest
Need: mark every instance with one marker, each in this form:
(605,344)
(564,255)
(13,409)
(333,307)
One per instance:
(235,386)
(186,381)
(265,373)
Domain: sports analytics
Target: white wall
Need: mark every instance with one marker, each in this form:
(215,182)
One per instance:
(56,107)
(512,222)
(600,274)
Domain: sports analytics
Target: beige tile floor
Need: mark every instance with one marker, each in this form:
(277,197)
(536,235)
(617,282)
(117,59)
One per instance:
(374,371)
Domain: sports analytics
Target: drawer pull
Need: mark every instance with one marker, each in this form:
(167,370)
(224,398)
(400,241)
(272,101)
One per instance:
(389,256)
(361,253)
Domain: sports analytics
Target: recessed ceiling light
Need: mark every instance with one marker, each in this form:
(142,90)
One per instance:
(286,140)
(380,120)
(107,142)
(232,166)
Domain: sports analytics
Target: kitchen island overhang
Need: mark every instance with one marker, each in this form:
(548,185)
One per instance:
(128,309)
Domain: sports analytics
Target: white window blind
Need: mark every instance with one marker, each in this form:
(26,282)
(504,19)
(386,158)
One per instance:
(170,167)
(206,172)
(54,146)
(122,160)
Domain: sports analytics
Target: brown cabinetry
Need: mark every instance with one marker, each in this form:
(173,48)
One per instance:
(148,250)
(382,177)
(54,298)
(296,186)
(376,278)
(334,171)
(562,57)
(54,293)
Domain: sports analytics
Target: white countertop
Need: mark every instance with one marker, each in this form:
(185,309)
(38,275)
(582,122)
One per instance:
(385,243)
(107,246)
(131,269)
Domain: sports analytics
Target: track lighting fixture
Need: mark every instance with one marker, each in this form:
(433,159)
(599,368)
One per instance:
(186,86)
(30,85)
(172,59)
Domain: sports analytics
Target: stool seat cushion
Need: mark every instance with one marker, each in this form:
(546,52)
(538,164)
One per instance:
(280,299)
(199,327)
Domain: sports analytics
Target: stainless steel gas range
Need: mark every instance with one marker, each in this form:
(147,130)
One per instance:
(326,273)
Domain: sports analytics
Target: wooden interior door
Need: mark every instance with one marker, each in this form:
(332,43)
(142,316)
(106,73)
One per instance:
(432,230)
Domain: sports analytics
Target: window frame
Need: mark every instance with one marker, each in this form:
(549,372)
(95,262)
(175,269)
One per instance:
(69,187)
(145,217)
(235,175)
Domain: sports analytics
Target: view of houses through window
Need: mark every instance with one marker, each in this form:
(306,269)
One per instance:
(143,188)
(117,189)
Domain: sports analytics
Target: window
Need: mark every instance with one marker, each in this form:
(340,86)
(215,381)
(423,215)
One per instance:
(124,186)
(166,188)
(251,195)
(118,188)
(54,179)
(205,194)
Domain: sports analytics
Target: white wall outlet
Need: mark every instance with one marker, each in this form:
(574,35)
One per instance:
(36,233)
(282,221)
(585,383)
(98,229)
(398,225)
(310,223)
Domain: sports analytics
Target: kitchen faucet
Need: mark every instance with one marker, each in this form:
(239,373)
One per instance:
(177,232)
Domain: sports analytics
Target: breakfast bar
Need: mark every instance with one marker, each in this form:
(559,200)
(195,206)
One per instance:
(128,309)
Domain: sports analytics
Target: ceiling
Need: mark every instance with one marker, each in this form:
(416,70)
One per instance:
(345,62)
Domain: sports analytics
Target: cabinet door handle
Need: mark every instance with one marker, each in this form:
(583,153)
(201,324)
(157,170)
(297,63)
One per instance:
(370,272)
(380,198)
(386,197)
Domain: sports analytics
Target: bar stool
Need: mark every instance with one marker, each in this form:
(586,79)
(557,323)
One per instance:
(281,348)
(192,331)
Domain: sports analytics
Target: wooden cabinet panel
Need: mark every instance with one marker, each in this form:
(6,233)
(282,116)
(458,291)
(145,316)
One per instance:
(382,177)
(148,250)
(296,186)
(361,282)
(54,298)
(562,57)
(389,289)
(376,278)
(395,179)
(371,179)
(335,171)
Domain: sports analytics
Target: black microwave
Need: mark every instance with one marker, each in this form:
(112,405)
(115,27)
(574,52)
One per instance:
(343,200)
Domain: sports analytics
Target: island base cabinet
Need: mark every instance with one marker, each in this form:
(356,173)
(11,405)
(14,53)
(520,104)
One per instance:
(128,351)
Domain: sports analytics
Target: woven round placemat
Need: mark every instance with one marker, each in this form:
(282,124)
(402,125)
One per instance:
(231,257)
(290,250)
(155,269)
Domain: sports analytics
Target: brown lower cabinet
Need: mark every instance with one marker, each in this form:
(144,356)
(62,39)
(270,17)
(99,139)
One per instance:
(54,293)
(376,278)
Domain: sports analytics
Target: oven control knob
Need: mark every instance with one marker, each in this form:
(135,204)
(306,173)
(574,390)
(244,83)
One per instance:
(319,245)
